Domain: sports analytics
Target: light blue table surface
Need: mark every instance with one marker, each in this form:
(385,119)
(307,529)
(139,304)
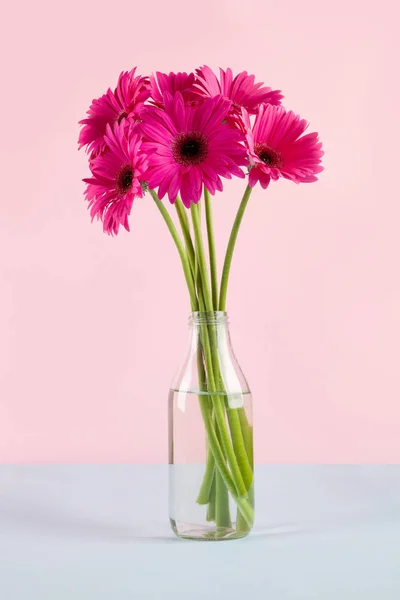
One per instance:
(95,532)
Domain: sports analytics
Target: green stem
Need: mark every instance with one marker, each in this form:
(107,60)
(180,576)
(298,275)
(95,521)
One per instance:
(247,430)
(220,459)
(243,524)
(212,367)
(231,247)
(185,225)
(239,446)
(222,511)
(201,258)
(194,263)
(205,489)
(211,502)
(211,249)
(180,248)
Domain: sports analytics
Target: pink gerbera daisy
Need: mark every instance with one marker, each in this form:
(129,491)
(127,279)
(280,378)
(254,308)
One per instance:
(191,146)
(171,83)
(241,90)
(125,102)
(116,177)
(278,148)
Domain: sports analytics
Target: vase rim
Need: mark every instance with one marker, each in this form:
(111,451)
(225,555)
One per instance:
(209,317)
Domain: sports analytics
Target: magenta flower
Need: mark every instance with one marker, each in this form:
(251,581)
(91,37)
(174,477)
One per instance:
(171,83)
(277,147)
(191,146)
(116,177)
(241,90)
(125,102)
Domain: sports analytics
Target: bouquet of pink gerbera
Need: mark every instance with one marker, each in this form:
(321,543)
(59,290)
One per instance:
(178,135)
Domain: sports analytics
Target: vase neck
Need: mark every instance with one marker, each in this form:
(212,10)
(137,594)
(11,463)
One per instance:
(215,324)
(210,350)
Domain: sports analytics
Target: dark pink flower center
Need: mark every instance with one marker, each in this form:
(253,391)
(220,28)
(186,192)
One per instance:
(121,116)
(125,179)
(190,148)
(268,155)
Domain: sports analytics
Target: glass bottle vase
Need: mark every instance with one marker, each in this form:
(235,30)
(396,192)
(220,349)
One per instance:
(211,488)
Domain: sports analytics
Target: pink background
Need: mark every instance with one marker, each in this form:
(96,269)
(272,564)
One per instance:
(92,328)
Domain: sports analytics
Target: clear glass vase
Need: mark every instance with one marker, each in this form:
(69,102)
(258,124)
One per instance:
(211,489)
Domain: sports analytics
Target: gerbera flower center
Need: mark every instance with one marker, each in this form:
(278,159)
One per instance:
(268,155)
(190,148)
(125,179)
(121,116)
